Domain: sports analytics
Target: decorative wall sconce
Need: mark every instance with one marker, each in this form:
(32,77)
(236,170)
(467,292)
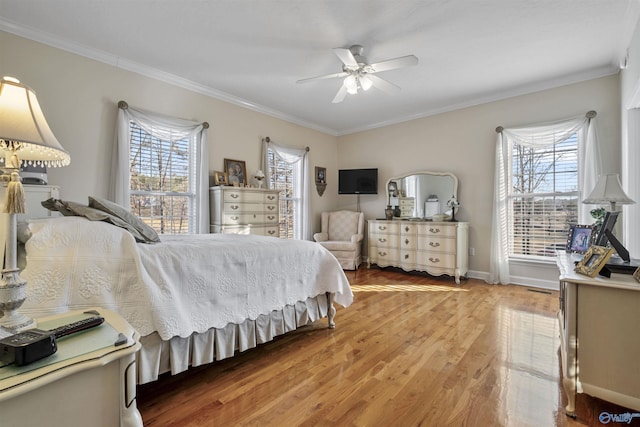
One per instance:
(321,180)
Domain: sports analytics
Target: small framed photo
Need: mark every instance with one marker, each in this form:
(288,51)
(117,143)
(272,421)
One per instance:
(236,172)
(636,274)
(580,238)
(220,178)
(593,260)
(321,175)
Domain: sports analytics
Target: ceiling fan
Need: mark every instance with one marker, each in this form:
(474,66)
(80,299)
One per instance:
(358,74)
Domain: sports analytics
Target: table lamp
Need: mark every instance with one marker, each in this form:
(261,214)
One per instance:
(25,137)
(608,189)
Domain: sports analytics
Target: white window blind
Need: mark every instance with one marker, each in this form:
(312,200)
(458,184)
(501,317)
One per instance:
(543,197)
(284,177)
(163,182)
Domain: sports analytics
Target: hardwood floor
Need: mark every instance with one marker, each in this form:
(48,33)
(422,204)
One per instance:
(410,351)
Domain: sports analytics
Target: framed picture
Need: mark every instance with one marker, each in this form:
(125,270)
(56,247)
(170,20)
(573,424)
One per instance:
(236,172)
(580,238)
(608,223)
(593,260)
(636,274)
(321,175)
(220,178)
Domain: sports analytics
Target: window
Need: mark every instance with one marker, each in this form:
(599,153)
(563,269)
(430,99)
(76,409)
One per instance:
(541,172)
(286,177)
(162,180)
(544,197)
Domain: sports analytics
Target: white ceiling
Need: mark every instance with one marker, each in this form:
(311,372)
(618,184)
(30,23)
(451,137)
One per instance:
(251,52)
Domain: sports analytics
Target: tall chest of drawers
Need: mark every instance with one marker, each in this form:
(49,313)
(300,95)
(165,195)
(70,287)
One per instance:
(435,247)
(239,210)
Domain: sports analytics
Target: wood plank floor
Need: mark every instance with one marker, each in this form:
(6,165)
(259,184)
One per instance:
(410,351)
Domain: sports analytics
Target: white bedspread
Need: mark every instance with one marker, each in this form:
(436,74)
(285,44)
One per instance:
(182,285)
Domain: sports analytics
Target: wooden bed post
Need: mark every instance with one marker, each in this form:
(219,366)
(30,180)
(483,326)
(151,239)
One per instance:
(331,311)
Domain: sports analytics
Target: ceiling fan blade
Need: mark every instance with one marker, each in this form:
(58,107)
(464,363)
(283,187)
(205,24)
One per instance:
(346,57)
(342,92)
(383,85)
(392,64)
(326,76)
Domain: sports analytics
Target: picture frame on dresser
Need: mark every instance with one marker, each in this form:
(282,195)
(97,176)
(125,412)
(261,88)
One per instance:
(580,237)
(220,178)
(236,171)
(593,260)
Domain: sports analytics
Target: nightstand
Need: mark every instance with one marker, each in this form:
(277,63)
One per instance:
(89,381)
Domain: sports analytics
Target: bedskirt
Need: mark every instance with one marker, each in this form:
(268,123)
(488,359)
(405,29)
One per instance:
(178,354)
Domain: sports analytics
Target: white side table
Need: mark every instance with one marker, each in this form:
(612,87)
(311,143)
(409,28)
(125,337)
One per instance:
(87,382)
(599,340)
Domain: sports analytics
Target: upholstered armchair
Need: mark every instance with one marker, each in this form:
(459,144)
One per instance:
(341,233)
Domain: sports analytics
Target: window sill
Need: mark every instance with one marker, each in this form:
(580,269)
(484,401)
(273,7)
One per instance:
(533,260)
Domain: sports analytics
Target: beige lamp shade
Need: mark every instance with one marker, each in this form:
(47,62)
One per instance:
(608,189)
(24,129)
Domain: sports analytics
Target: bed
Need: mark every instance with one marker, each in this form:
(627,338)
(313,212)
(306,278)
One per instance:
(193,299)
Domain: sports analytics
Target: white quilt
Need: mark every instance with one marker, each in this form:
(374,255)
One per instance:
(182,285)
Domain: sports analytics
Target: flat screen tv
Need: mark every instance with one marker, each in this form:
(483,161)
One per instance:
(358,181)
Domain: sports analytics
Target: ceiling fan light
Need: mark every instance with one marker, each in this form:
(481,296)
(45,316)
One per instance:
(365,82)
(352,91)
(351,84)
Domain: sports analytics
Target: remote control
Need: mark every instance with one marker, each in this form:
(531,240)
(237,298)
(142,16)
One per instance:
(34,344)
(78,326)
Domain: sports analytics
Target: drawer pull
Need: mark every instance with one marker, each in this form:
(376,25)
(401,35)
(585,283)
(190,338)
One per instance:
(406,256)
(406,241)
(234,195)
(235,218)
(381,239)
(234,207)
(271,207)
(434,230)
(434,260)
(272,232)
(271,217)
(406,228)
(382,227)
(254,216)
(382,253)
(271,197)
(434,244)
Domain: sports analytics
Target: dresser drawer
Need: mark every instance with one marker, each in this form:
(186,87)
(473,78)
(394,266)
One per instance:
(408,242)
(437,244)
(383,256)
(243,196)
(232,218)
(437,229)
(407,259)
(384,227)
(242,207)
(435,259)
(384,240)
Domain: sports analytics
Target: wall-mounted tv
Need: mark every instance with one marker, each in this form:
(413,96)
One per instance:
(358,181)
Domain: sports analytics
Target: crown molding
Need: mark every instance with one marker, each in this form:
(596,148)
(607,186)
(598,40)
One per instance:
(132,66)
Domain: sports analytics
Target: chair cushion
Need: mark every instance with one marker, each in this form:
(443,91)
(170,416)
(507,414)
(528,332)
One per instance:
(343,225)
(332,245)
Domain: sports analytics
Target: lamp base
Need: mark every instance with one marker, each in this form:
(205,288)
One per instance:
(13,292)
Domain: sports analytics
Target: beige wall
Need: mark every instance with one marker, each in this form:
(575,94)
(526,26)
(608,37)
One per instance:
(463,142)
(79,97)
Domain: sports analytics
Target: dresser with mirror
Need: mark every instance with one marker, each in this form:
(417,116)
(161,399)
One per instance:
(423,235)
